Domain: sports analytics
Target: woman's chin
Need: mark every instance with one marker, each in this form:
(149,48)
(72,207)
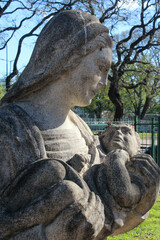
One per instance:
(85,103)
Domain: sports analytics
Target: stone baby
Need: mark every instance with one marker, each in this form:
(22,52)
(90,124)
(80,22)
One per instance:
(121,143)
(122,168)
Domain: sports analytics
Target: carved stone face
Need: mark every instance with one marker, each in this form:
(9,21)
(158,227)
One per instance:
(121,137)
(89,77)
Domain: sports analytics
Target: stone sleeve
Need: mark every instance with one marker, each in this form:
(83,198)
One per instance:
(36,232)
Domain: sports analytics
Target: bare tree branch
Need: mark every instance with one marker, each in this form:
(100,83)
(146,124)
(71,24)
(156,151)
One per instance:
(15,28)
(132,86)
(106,12)
(5,7)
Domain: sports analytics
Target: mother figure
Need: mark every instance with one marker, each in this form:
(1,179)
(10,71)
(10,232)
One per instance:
(53,179)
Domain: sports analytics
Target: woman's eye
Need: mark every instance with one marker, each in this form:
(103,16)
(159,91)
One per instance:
(101,68)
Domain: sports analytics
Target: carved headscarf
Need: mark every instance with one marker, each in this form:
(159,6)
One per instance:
(62,43)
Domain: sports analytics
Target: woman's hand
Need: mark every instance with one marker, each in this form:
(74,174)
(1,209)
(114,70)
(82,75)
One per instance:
(142,166)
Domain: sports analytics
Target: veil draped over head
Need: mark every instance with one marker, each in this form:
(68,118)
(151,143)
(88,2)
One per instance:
(66,35)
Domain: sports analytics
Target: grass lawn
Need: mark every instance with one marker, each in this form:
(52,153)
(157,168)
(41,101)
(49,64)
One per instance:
(146,135)
(149,229)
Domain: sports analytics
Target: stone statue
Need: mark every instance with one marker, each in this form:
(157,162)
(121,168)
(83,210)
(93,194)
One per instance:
(56,180)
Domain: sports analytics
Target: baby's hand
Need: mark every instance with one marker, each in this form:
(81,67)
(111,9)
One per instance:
(117,155)
(125,193)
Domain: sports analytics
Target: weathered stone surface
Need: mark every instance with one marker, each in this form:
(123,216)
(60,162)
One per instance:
(56,181)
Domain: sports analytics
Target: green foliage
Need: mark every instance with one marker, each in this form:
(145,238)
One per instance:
(148,230)
(155,105)
(2,91)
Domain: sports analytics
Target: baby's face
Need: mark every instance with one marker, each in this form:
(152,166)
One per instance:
(121,137)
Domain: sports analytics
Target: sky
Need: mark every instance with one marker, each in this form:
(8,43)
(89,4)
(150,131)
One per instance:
(10,52)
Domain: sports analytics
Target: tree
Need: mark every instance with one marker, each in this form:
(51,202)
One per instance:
(129,48)
(141,82)
(138,17)
(141,89)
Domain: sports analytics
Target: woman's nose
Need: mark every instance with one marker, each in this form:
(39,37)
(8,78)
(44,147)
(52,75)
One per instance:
(103,83)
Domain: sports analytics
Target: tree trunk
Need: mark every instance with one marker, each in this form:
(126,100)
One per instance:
(116,100)
(146,106)
(138,112)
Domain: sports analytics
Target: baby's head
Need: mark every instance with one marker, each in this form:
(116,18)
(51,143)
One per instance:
(120,136)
